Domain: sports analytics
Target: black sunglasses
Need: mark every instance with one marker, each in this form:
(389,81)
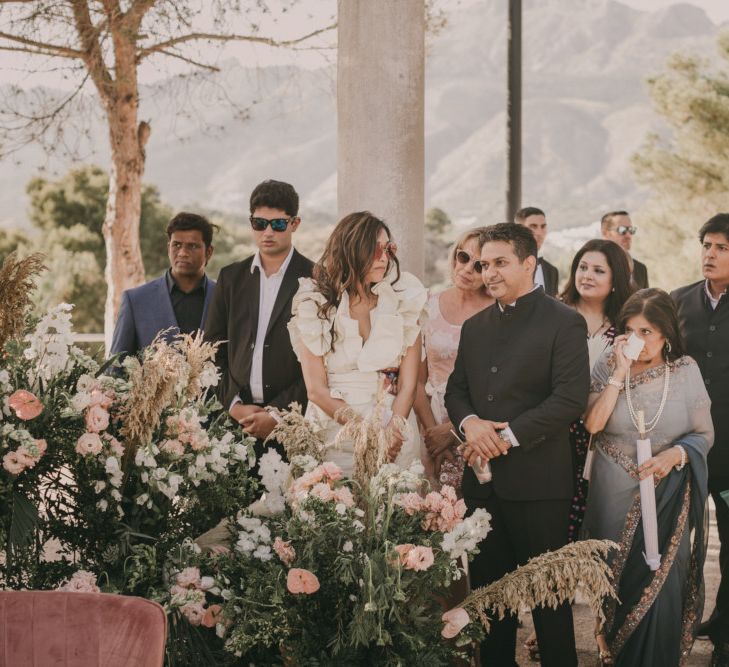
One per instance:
(277,224)
(462,257)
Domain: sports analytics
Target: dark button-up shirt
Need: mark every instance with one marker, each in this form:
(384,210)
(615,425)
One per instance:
(188,306)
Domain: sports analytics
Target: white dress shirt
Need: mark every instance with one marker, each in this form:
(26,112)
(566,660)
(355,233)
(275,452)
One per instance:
(269,287)
(539,276)
(714,302)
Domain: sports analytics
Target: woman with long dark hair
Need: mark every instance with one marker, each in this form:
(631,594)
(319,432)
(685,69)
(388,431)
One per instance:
(662,394)
(356,331)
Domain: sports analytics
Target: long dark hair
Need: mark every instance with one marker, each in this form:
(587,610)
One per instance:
(618,262)
(658,308)
(347,257)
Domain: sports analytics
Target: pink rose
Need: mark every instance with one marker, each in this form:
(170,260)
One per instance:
(13,463)
(97,419)
(174,447)
(101,398)
(194,612)
(42,445)
(284,551)
(412,503)
(322,491)
(344,495)
(188,578)
(25,405)
(419,559)
(25,457)
(89,443)
(301,581)
(198,441)
(116,446)
(213,615)
(455,620)
(331,471)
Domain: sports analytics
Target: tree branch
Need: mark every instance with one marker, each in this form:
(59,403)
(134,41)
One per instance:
(190,61)
(156,48)
(55,49)
(93,56)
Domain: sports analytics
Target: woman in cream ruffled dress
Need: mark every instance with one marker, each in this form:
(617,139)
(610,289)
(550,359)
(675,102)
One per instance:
(355,328)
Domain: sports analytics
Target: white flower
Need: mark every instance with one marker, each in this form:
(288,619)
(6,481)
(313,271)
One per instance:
(347,546)
(86,383)
(358,525)
(465,537)
(143,498)
(99,486)
(81,401)
(102,505)
(209,376)
(341,508)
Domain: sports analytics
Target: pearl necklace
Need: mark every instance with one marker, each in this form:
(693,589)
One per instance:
(649,425)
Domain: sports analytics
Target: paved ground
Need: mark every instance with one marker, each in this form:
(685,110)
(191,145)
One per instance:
(584,624)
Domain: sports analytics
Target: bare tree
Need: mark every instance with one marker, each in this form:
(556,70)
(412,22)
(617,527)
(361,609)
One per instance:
(102,43)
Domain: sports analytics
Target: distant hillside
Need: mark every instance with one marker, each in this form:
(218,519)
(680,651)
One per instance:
(585,111)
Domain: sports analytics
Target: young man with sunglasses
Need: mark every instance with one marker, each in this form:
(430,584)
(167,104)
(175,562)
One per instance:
(178,301)
(616,226)
(546,275)
(520,378)
(250,311)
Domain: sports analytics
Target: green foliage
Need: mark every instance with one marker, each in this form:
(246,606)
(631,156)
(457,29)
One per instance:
(686,167)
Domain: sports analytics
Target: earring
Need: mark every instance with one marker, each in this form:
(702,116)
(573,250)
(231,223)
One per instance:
(613,289)
(667,347)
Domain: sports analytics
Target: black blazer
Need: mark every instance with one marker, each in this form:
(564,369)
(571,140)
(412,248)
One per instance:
(705,332)
(233,320)
(640,274)
(528,366)
(551,277)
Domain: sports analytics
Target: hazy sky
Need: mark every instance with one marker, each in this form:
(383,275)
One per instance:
(718,10)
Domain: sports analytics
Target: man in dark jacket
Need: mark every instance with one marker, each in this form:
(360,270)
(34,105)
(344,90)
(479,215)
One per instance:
(250,311)
(546,274)
(704,317)
(521,377)
(616,226)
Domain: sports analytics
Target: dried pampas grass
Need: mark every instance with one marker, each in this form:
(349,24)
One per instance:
(197,353)
(17,282)
(549,580)
(296,435)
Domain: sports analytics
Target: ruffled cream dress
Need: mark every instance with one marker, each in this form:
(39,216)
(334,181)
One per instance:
(354,368)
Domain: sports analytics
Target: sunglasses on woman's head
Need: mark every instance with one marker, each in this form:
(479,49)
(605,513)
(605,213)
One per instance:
(462,257)
(389,249)
(277,224)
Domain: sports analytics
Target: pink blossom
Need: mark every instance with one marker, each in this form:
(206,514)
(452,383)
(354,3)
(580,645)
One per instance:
(403,550)
(433,502)
(410,502)
(42,446)
(103,399)
(174,447)
(116,447)
(194,612)
(25,457)
(301,581)
(82,581)
(25,405)
(448,493)
(419,559)
(198,441)
(13,463)
(455,620)
(343,495)
(284,551)
(97,419)
(331,471)
(188,578)
(89,443)
(323,492)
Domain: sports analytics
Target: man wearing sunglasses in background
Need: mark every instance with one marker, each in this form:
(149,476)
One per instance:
(616,226)
(546,274)
(178,301)
(250,311)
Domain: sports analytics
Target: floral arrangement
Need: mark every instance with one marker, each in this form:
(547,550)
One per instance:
(308,576)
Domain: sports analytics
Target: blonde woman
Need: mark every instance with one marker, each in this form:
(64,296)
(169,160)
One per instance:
(447,311)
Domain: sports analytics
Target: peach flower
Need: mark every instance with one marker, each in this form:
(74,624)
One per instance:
(213,615)
(331,471)
(455,620)
(301,581)
(101,398)
(42,445)
(188,578)
(13,463)
(403,550)
(89,443)
(344,495)
(284,551)
(410,502)
(419,559)
(25,405)
(97,419)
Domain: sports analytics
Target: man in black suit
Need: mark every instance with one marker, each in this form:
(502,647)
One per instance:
(521,377)
(616,226)
(703,311)
(546,274)
(250,311)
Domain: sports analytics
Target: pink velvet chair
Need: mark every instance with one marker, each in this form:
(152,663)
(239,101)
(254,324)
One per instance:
(64,629)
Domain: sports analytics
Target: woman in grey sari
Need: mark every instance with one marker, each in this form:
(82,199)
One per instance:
(653,623)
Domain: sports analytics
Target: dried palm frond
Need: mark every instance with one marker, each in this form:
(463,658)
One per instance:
(17,282)
(296,434)
(549,580)
(197,352)
(153,385)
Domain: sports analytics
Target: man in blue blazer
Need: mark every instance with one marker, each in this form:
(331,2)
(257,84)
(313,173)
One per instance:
(178,301)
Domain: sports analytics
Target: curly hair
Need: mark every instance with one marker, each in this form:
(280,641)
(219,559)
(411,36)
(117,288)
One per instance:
(347,257)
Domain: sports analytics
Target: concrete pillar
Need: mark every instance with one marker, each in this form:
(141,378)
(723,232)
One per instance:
(380,115)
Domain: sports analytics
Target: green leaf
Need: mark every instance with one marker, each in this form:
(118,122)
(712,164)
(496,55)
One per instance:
(23,522)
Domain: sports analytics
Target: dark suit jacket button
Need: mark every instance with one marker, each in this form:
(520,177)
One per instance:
(709,354)
(490,397)
(712,327)
(494,369)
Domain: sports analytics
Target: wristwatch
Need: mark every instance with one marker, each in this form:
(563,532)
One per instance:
(616,383)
